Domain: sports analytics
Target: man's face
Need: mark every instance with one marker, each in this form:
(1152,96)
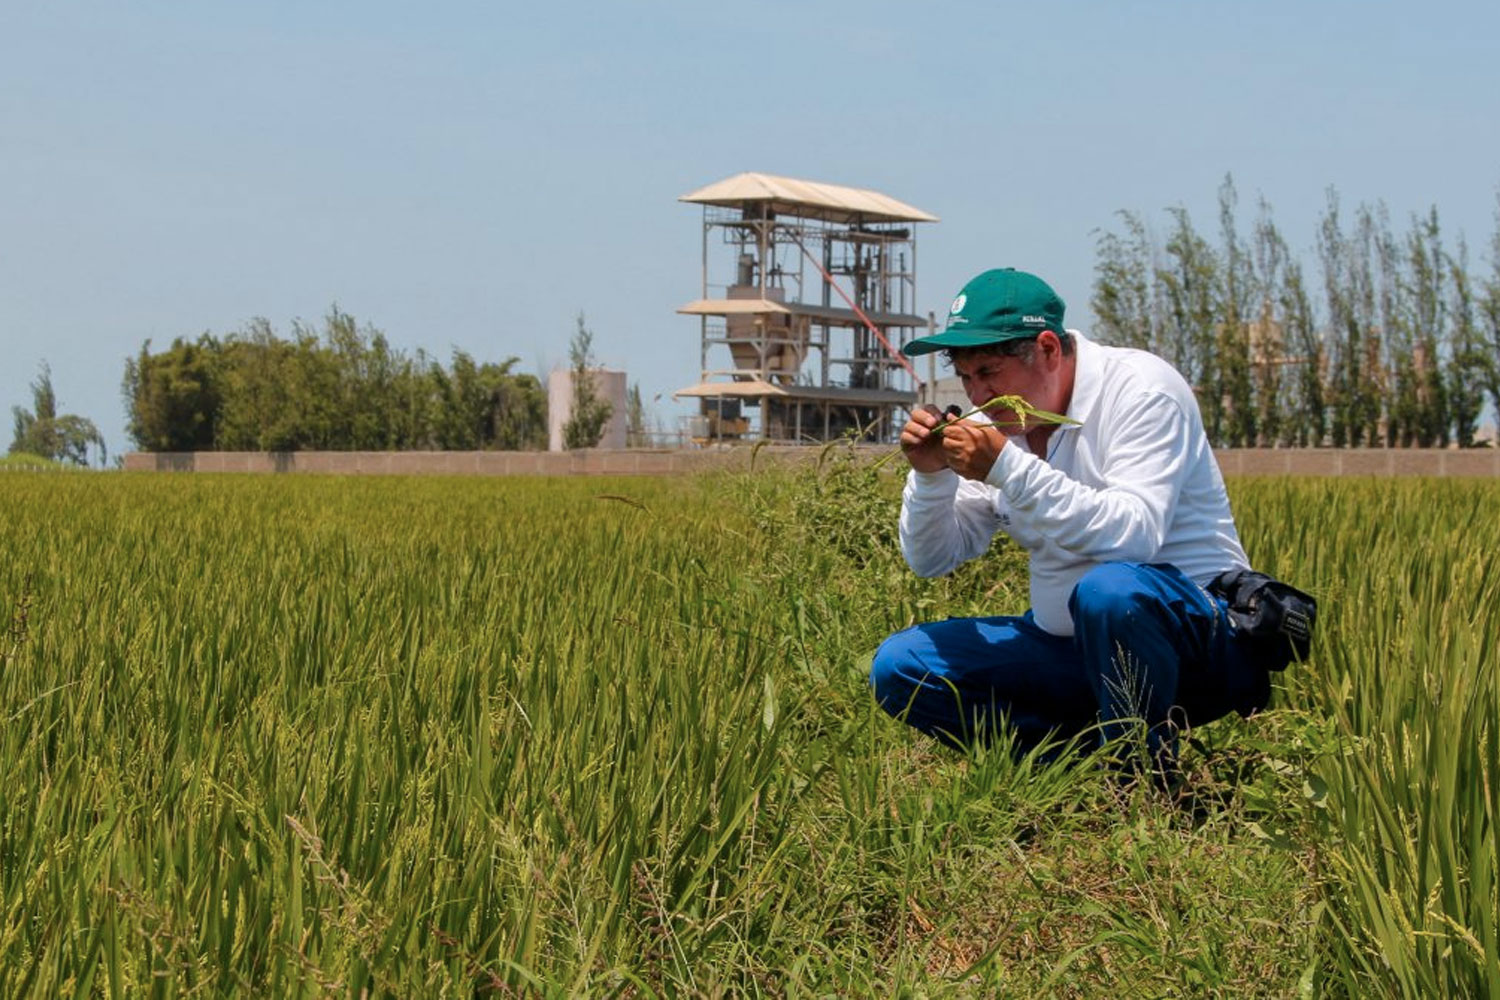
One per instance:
(986,376)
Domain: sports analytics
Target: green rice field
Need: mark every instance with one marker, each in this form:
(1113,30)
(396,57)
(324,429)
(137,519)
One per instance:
(290,736)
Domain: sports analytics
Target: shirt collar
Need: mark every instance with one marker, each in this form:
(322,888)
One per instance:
(1086,376)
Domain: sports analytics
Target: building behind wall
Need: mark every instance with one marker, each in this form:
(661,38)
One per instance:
(609,385)
(808,294)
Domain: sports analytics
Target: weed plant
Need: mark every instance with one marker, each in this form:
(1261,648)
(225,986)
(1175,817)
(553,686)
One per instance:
(426,737)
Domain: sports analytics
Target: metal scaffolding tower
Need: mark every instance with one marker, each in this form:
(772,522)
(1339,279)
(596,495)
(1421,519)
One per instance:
(808,294)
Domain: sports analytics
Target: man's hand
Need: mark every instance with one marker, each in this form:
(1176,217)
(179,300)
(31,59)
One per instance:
(970,449)
(923,447)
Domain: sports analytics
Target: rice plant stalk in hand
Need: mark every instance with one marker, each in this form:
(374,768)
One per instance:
(1023,410)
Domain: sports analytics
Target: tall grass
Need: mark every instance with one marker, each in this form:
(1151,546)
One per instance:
(431,737)
(1407,796)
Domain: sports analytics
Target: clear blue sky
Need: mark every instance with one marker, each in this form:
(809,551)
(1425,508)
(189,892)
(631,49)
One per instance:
(473,175)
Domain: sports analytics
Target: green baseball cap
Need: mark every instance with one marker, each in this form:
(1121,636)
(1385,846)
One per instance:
(1003,304)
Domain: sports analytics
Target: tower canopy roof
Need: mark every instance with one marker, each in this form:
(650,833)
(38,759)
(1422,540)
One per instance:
(789,196)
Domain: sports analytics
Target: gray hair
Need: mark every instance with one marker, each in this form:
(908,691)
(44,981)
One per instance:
(1017,347)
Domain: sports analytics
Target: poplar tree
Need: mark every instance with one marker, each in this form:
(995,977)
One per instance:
(1275,400)
(635,417)
(1231,353)
(1400,356)
(1426,313)
(1190,288)
(1488,363)
(1125,299)
(584,427)
(1355,377)
(1466,362)
(1308,423)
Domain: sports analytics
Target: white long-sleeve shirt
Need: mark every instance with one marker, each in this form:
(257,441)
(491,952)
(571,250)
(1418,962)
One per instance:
(1134,481)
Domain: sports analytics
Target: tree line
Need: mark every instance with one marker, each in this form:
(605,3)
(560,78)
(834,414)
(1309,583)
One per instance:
(344,389)
(1388,341)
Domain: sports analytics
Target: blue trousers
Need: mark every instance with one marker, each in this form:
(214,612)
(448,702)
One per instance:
(1149,645)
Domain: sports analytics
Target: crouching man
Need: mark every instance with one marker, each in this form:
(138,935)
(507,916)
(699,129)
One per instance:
(1125,519)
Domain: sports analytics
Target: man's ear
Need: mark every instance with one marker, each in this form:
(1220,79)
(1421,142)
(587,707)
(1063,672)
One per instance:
(1050,345)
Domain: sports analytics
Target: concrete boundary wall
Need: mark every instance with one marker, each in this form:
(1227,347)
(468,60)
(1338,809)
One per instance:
(1474,462)
(1478,462)
(593,462)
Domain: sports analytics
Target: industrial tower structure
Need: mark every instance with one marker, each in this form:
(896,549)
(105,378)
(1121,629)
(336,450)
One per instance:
(808,293)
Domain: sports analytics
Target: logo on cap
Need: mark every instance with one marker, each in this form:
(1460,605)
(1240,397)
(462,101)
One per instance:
(958,305)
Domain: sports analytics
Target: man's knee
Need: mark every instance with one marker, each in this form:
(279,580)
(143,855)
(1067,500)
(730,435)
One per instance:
(1110,592)
(893,671)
